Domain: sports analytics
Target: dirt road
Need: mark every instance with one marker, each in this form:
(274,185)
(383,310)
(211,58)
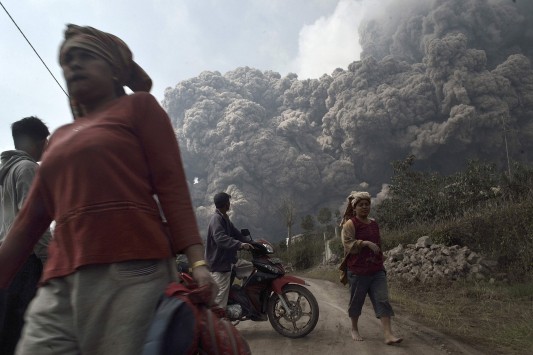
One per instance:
(332,333)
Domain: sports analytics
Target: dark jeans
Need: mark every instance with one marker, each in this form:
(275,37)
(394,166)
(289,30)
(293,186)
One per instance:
(18,296)
(375,286)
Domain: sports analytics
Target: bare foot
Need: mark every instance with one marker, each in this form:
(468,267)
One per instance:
(393,340)
(356,336)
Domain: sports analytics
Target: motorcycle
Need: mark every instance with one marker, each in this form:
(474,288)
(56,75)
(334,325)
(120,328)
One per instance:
(267,293)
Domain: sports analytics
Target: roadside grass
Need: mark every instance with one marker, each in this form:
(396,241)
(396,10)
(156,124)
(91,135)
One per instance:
(495,318)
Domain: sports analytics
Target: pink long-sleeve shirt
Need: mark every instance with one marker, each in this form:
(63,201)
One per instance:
(97,180)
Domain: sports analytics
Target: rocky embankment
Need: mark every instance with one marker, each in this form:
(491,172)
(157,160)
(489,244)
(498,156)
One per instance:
(426,262)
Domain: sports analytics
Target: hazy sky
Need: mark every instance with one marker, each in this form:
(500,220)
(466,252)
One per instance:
(172,40)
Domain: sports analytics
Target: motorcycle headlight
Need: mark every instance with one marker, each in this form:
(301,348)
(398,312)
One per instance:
(268,248)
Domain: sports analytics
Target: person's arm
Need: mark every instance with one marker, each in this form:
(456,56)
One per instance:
(350,244)
(29,225)
(245,241)
(24,179)
(41,247)
(24,175)
(156,135)
(221,237)
(373,246)
(200,271)
(238,235)
(162,153)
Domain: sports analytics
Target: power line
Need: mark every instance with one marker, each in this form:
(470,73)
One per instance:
(27,40)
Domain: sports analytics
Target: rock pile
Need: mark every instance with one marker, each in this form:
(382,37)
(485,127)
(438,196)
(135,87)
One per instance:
(425,262)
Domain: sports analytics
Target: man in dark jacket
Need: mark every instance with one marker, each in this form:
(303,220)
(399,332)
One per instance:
(223,242)
(17,170)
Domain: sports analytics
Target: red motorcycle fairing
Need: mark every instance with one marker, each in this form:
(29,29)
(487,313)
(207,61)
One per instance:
(277,284)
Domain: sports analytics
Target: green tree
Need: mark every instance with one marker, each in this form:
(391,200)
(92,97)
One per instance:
(308,224)
(307,253)
(414,196)
(324,218)
(337,217)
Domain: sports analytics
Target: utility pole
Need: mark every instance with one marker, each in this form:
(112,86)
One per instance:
(326,250)
(506,148)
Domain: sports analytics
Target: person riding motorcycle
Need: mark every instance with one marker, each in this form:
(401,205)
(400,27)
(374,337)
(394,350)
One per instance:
(223,242)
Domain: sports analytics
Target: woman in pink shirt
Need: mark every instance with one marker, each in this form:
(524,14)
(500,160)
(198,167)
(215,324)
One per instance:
(111,257)
(366,274)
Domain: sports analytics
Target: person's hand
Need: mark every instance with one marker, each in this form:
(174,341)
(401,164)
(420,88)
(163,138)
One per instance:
(247,246)
(373,246)
(202,276)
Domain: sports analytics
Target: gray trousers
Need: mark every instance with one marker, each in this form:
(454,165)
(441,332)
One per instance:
(98,310)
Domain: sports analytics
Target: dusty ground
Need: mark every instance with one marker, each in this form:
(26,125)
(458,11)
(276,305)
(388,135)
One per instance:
(332,333)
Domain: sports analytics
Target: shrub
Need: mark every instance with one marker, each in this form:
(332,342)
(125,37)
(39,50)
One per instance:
(429,197)
(304,254)
(335,245)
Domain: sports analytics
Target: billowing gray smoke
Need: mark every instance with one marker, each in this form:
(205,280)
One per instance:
(445,80)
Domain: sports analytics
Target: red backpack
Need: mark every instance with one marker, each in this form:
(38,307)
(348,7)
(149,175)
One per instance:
(183,324)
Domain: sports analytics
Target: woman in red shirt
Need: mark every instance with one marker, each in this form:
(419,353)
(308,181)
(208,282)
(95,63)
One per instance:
(111,257)
(366,274)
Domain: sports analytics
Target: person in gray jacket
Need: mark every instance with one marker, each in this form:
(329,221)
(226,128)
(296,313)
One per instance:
(17,170)
(223,242)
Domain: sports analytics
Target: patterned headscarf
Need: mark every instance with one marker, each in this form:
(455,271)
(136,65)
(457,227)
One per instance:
(353,198)
(110,48)
(357,196)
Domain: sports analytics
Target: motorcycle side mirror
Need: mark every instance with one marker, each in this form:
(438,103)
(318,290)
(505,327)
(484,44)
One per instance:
(245,232)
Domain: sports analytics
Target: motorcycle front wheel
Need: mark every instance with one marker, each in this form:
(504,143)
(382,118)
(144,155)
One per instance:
(303,312)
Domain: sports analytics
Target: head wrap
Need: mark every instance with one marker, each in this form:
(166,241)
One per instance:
(357,196)
(110,48)
(353,198)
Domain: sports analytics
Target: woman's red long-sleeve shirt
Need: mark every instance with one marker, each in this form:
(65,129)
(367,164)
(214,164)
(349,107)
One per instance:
(97,181)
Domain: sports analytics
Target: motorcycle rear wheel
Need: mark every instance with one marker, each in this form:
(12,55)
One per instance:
(303,315)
